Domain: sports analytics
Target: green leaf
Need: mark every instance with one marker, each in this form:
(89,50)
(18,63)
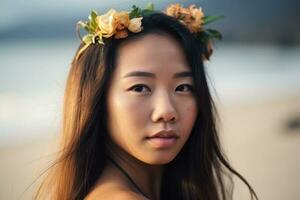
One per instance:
(181,17)
(214,34)
(204,36)
(88,38)
(100,41)
(135,12)
(149,6)
(92,25)
(148,9)
(211,18)
(93,15)
(83,25)
(146,12)
(138,12)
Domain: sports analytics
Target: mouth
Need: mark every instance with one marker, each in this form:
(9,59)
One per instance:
(163,139)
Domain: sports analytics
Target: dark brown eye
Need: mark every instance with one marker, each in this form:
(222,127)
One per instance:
(185,88)
(140,88)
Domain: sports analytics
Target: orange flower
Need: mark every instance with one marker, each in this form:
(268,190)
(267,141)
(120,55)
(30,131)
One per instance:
(107,23)
(191,17)
(174,10)
(121,34)
(122,19)
(116,23)
(197,16)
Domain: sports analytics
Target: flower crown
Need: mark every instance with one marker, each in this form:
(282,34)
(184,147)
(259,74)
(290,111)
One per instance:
(120,24)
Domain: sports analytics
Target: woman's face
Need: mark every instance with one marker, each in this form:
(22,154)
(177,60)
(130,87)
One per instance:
(151,90)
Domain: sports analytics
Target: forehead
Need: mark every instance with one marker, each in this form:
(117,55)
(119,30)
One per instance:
(151,52)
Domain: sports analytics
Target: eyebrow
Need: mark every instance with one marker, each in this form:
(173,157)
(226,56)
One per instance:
(148,74)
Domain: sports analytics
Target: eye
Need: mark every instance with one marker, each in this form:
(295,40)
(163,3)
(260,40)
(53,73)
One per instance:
(140,88)
(185,88)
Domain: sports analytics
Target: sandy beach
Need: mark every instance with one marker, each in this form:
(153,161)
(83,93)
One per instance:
(254,135)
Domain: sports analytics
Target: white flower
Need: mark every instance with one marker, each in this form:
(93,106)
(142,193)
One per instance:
(135,25)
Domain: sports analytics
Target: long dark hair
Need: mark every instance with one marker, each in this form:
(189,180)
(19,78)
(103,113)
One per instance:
(199,171)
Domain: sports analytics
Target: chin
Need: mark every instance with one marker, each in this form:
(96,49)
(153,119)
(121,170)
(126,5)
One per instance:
(160,159)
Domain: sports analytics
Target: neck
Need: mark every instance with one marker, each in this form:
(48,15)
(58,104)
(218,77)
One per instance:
(147,177)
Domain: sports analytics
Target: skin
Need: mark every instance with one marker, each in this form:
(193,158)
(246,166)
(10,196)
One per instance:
(137,111)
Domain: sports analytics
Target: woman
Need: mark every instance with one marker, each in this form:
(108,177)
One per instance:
(139,121)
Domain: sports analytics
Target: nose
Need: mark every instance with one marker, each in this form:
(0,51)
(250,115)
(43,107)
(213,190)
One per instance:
(164,109)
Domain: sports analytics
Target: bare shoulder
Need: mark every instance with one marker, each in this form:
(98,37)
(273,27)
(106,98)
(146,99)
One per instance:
(111,186)
(114,194)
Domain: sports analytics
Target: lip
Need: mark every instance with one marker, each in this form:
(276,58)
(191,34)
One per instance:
(163,139)
(164,134)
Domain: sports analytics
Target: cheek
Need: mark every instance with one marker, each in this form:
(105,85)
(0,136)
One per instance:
(188,114)
(127,114)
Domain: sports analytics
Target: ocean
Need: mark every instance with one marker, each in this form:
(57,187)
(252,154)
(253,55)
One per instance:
(33,75)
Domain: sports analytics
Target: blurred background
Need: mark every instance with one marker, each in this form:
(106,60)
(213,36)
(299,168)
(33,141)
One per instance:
(254,75)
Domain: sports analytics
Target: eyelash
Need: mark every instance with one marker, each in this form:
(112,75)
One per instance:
(190,87)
